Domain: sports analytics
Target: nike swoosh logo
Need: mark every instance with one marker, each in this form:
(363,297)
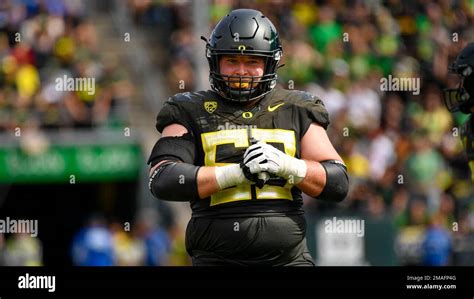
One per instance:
(271,109)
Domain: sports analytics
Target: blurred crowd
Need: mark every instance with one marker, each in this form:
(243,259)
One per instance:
(402,148)
(103,241)
(145,242)
(42,43)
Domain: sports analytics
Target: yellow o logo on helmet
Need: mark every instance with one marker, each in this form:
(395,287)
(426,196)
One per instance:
(242,48)
(247,114)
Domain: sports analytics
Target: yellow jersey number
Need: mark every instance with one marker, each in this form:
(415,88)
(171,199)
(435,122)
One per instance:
(239,138)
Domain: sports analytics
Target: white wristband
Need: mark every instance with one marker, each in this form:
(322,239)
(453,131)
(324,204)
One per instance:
(295,170)
(229,175)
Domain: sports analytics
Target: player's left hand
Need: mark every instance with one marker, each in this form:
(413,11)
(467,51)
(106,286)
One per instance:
(262,157)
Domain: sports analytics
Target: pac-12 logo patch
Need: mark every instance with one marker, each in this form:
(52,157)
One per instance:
(210,106)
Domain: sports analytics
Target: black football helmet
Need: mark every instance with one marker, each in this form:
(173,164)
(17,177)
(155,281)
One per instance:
(462,98)
(244,32)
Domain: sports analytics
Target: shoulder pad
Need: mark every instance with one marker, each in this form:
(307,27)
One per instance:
(310,107)
(178,108)
(189,97)
(299,97)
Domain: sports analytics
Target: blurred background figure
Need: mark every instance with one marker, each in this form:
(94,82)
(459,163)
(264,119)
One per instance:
(129,250)
(93,245)
(156,240)
(23,250)
(436,245)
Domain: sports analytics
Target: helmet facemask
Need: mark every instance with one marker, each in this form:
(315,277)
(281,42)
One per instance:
(243,88)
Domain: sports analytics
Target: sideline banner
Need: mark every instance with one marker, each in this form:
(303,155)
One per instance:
(63,163)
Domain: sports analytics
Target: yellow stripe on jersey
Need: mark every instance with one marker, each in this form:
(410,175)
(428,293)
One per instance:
(273,192)
(237,193)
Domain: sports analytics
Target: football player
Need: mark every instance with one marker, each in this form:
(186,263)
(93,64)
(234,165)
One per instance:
(243,153)
(462,98)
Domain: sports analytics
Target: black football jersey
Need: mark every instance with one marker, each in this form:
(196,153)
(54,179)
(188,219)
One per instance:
(222,131)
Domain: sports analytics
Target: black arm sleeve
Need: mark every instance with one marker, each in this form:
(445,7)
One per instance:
(337,181)
(174,181)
